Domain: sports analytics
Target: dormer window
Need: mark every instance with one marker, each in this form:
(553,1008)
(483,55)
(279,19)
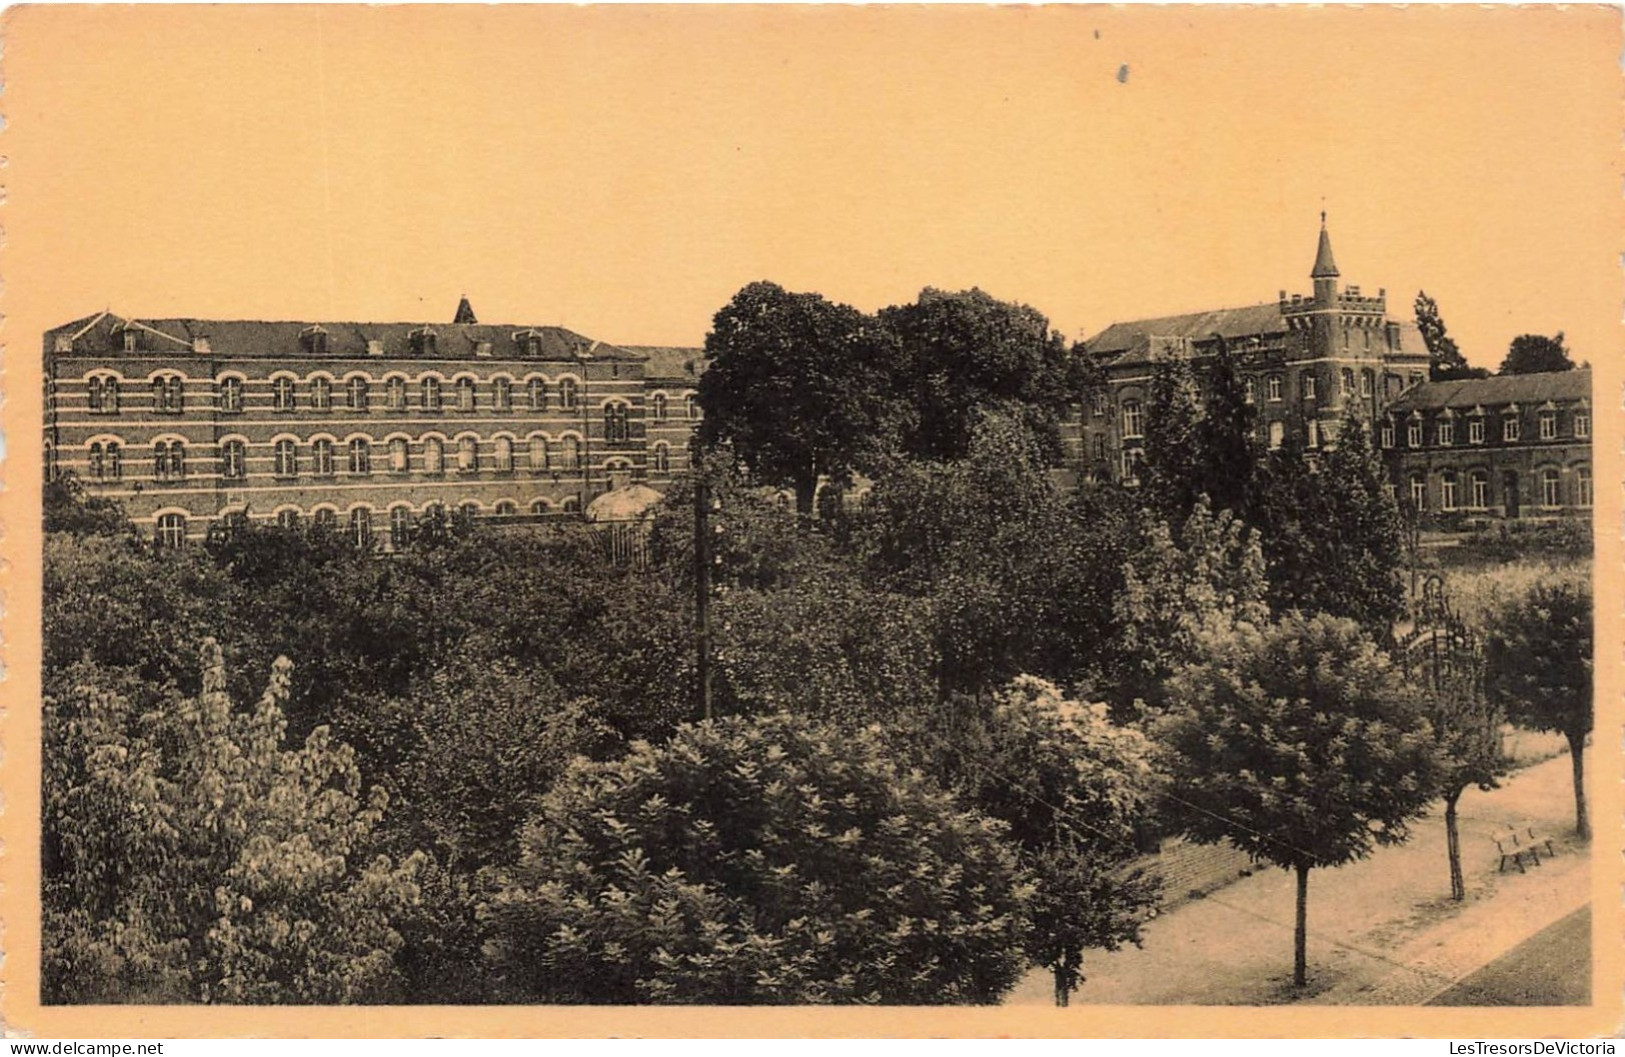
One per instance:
(1582,422)
(529,343)
(314,341)
(129,339)
(423,342)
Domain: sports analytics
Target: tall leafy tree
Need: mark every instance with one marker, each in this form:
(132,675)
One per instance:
(1445,361)
(1536,354)
(1227,440)
(190,856)
(1466,733)
(1300,744)
(758,861)
(1333,535)
(1175,583)
(1539,668)
(967,353)
(799,387)
(1174,473)
(1075,789)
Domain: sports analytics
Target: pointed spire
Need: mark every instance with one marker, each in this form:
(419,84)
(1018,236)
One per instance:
(1325,267)
(465,313)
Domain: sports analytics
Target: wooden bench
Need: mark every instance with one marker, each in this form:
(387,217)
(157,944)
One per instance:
(1521,844)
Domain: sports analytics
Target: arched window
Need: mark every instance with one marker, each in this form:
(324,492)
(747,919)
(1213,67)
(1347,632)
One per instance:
(571,448)
(361,527)
(169,460)
(168,394)
(434,455)
(1348,381)
(536,394)
(395,393)
(230,399)
(1368,381)
(616,427)
(662,454)
(171,530)
(1582,486)
(327,519)
(570,505)
(567,394)
(400,528)
(286,458)
(465,394)
(541,508)
(106,460)
(1551,487)
(399,457)
(287,519)
(469,510)
(468,454)
(360,455)
(357,393)
(657,407)
(1419,491)
(1447,491)
(232,460)
(506,508)
(502,394)
(282,394)
(321,457)
(692,404)
(430,393)
(538,452)
(1133,419)
(1478,484)
(103,394)
(502,454)
(321,393)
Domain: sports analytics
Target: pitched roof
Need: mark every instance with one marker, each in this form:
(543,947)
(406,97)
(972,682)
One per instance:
(670,361)
(255,338)
(1527,389)
(1196,326)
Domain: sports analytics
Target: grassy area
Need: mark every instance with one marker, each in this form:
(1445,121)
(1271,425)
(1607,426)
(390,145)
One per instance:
(1475,589)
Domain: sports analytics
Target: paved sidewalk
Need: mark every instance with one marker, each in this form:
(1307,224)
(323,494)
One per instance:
(1381,932)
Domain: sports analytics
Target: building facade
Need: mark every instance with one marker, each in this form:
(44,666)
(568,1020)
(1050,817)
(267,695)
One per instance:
(361,425)
(1513,446)
(1304,361)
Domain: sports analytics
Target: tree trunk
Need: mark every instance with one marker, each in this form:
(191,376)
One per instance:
(1300,934)
(1063,994)
(1452,836)
(1577,745)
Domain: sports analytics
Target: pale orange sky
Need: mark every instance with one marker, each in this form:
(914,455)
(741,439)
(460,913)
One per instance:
(624,170)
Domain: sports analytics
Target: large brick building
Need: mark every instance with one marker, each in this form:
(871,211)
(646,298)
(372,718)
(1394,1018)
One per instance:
(364,425)
(1304,359)
(1513,446)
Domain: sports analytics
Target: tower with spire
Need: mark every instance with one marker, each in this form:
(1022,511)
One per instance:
(1324,273)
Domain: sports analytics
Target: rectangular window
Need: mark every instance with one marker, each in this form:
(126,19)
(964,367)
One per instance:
(1548,425)
(1446,429)
(1419,493)
(1475,431)
(1413,433)
(1277,435)
(1510,428)
(1481,491)
(1388,433)
(1582,424)
(1447,492)
(1311,436)
(1306,385)
(1275,387)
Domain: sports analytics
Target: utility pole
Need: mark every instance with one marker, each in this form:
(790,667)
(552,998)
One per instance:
(702,595)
